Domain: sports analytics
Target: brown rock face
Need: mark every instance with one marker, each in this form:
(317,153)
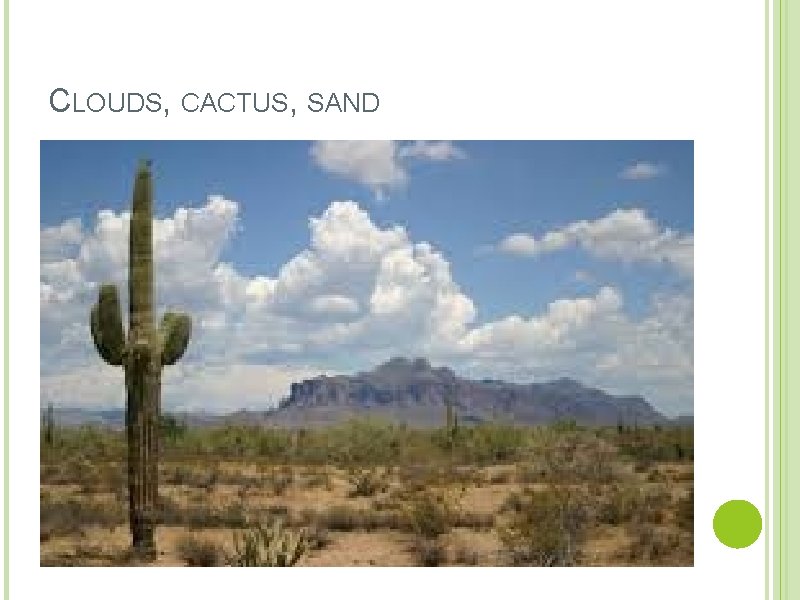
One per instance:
(414,392)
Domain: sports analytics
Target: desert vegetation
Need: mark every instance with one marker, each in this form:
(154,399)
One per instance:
(369,492)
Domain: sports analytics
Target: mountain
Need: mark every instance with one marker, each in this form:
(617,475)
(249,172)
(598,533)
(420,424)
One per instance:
(114,418)
(414,392)
(69,416)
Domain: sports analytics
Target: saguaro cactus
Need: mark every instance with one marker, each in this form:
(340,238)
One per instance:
(142,355)
(451,417)
(49,425)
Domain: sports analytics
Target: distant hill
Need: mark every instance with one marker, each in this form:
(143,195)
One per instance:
(413,392)
(74,416)
(114,418)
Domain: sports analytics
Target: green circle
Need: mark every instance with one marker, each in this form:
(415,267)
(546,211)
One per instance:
(737,523)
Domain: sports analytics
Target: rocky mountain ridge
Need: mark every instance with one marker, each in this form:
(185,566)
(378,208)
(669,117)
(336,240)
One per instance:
(414,392)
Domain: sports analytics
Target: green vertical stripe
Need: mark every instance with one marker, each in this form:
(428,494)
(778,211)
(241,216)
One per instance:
(780,259)
(786,492)
(767,353)
(5,296)
(791,414)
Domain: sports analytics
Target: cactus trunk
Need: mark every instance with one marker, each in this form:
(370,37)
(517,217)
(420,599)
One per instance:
(143,382)
(142,356)
(142,373)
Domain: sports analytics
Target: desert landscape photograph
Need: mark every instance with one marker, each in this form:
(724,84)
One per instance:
(367,353)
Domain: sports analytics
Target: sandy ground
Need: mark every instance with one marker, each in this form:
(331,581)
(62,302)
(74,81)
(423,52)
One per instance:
(314,490)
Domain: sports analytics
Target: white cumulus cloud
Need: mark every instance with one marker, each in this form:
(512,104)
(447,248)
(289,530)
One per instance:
(431,150)
(379,164)
(642,170)
(626,235)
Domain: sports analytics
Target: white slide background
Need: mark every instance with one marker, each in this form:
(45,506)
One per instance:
(615,69)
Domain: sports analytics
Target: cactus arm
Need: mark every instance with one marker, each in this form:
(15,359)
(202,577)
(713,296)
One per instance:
(107,330)
(174,333)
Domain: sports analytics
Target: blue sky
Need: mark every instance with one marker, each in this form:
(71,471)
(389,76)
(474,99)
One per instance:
(619,216)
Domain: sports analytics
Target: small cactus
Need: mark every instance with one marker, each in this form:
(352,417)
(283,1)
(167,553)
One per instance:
(451,417)
(49,425)
(268,546)
(142,355)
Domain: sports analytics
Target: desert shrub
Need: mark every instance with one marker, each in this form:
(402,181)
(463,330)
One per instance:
(465,555)
(630,504)
(279,481)
(500,477)
(572,457)
(649,444)
(364,442)
(429,515)
(171,428)
(428,552)
(201,516)
(529,472)
(317,537)
(472,520)
(655,506)
(237,477)
(50,473)
(270,545)
(231,515)
(205,477)
(169,513)
(565,426)
(62,517)
(684,515)
(79,470)
(417,478)
(492,443)
(365,483)
(391,504)
(211,479)
(275,444)
(620,505)
(234,441)
(515,501)
(198,552)
(547,529)
(341,517)
(463,474)
(318,479)
(92,442)
(175,475)
(277,510)
(654,546)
